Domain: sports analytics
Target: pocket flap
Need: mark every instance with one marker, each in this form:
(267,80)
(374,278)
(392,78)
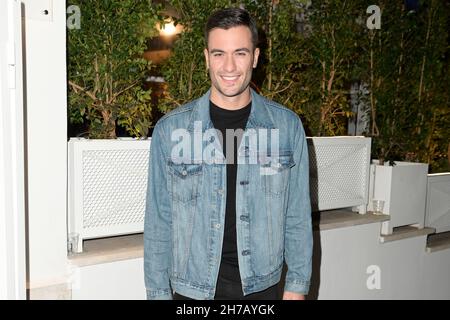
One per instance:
(184,170)
(278,162)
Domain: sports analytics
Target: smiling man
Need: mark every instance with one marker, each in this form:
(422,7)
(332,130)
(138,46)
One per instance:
(223,229)
(230,57)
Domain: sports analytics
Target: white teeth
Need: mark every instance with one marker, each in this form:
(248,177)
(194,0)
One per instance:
(230,78)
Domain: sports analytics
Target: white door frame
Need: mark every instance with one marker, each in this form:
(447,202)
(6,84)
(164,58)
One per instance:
(12,173)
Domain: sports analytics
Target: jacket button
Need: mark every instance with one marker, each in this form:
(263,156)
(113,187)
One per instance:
(244,218)
(217,225)
(184,172)
(245,252)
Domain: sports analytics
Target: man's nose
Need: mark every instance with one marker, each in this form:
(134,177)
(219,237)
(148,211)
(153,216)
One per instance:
(230,64)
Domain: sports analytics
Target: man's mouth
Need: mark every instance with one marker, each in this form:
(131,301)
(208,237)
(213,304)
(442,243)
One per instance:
(230,79)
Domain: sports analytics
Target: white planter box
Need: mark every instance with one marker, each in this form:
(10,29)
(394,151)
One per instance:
(438,202)
(107,187)
(339,172)
(403,188)
(108,182)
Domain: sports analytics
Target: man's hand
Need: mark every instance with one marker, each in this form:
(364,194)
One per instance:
(293,296)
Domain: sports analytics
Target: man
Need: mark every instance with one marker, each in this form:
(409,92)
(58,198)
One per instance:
(226,207)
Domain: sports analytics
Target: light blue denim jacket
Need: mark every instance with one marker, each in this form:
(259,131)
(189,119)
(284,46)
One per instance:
(185,210)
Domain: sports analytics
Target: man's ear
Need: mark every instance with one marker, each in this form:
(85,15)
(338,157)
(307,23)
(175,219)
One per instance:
(205,52)
(255,57)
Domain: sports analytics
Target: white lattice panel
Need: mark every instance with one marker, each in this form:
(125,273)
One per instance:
(107,187)
(339,172)
(438,202)
(108,181)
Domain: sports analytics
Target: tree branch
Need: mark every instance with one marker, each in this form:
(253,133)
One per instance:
(77,87)
(123,90)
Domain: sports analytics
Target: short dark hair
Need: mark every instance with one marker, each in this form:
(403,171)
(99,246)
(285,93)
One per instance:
(229,18)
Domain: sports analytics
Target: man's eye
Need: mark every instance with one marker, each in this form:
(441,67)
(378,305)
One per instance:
(217,54)
(241,54)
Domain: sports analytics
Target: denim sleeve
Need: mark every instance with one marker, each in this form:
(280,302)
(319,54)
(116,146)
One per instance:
(157,225)
(298,236)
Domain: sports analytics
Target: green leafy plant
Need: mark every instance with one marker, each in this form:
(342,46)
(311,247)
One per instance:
(185,71)
(312,52)
(106,68)
(308,74)
(407,76)
(330,51)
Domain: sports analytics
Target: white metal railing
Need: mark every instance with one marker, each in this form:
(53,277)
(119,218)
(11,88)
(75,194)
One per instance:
(108,182)
(339,172)
(107,188)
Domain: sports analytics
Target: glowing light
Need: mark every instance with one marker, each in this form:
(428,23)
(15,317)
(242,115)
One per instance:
(169,28)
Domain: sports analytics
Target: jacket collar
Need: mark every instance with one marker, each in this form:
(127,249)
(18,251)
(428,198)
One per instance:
(259,116)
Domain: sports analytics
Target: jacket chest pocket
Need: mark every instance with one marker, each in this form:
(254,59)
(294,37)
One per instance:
(275,175)
(185,181)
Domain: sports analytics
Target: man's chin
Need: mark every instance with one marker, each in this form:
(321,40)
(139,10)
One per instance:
(233,93)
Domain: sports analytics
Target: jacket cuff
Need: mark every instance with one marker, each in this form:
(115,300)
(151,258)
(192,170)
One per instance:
(159,295)
(301,287)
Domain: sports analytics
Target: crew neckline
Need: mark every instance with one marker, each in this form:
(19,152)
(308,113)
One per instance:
(244,110)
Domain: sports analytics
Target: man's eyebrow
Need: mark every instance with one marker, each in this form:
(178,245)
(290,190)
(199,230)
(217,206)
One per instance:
(217,50)
(237,50)
(242,49)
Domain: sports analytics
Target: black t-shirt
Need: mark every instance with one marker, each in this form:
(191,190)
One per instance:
(230,119)
(229,281)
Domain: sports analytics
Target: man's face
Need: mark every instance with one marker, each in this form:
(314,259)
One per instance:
(230,57)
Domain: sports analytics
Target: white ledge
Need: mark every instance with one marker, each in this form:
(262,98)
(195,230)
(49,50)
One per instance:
(341,218)
(438,242)
(106,250)
(112,249)
(406,232)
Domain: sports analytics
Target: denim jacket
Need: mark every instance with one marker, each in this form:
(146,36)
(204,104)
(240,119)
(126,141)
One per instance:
(185,211)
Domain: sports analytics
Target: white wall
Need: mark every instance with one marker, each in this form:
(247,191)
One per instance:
(12,197)
(406,270)
(340,270)
(120,280)
(46,134)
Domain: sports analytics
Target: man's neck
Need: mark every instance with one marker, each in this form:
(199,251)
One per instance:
(231,103)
